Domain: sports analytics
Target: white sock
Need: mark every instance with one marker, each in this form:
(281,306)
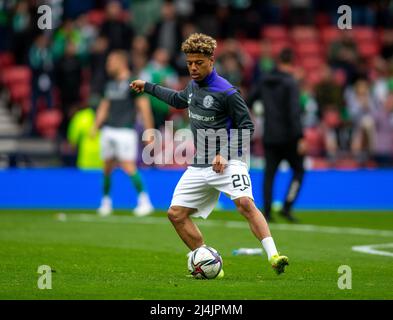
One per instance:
(269,246)
(106,200)
(144,198)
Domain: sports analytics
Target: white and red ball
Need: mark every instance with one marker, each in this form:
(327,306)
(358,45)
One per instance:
(204,263)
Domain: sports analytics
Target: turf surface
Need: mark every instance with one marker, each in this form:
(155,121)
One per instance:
(124,257)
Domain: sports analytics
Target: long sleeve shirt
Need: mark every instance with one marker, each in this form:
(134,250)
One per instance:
(215,108)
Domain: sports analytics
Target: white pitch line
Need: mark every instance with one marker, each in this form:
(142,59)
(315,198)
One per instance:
(372,249)
(229,224)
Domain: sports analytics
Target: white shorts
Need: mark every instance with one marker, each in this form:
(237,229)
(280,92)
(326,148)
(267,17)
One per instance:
(119,143)
(200,188)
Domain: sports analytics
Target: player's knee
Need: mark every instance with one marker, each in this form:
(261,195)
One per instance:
(129,168)
(176,214)
(245,205)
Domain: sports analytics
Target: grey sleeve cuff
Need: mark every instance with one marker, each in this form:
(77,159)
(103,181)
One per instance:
(149,87)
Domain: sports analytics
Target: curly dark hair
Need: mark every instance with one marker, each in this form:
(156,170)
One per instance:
(199,43)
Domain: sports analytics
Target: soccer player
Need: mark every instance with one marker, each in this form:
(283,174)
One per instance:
(213,103)
(116,114)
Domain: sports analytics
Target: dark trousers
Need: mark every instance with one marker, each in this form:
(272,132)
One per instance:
(273,156)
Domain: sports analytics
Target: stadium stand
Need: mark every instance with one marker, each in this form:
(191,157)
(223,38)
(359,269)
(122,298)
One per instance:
(315,44)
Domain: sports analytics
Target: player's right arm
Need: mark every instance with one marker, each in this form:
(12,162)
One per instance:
(177,99)
(102,114)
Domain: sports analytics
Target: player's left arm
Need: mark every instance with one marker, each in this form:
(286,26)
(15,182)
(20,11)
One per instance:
(144,108)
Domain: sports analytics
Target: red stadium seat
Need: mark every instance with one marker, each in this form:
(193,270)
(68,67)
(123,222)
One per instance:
(364,34)
(277,46)
(346,164)
(19,74)
(331,118)
(6,60)
(384,34)
(329,34)
(314,141)
(220,46)
(368,49)
(96,17)
(312,48)
(311,63)
(319,163)
(322,19)
(48,122)
(275,33)
(304,33)
(314,77)
(20,92)
(252,47)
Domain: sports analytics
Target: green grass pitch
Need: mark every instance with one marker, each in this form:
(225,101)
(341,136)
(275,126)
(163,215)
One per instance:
(125,257)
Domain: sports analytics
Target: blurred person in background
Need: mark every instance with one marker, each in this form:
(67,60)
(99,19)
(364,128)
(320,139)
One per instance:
(140,45)
(139,54)
(98,55)
(88,34)
(265,62)
(117,31)
(383,145)
(309,105)
(78,135)
(145,15)
(166,33)
(283,133)
(41,64)
(138,63)
(343,54)
(234,61)
(233,47)
(69,79)
(361,106)
(116,115)
(180,63)
(382,79)
(387,44)
(7,8)
(65,34)
(230,67)
(158,70)
(22,31)
(329,97)
(301,12)
(225,23)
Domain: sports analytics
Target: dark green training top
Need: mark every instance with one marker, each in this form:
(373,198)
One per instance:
(122,113)
(215,107)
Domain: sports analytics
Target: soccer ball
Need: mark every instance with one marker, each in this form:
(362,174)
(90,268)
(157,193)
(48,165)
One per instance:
(204,263)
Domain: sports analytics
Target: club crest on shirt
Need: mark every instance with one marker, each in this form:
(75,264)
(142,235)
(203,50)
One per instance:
(208,101)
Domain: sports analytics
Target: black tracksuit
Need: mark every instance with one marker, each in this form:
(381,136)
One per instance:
(279,93)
